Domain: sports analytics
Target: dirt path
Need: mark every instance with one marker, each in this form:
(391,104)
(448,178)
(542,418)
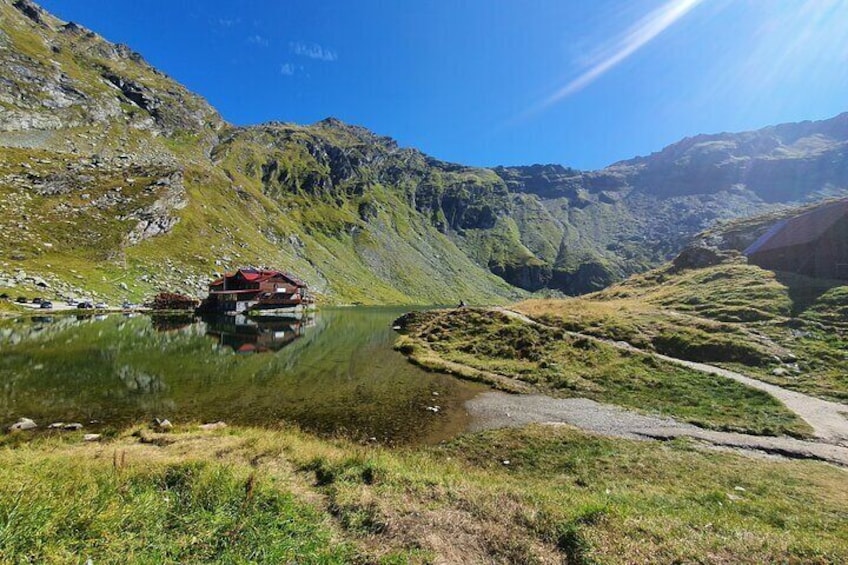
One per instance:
(829,420)
(498,410)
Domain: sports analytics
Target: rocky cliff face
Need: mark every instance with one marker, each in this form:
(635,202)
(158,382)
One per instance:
(116,179)
(640,212)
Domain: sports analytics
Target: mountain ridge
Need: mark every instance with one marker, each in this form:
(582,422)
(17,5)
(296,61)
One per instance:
(118,180)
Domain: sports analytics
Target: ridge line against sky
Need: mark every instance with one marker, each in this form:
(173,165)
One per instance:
(614,78)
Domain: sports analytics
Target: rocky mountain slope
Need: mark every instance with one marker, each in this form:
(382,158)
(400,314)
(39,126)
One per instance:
(115,180)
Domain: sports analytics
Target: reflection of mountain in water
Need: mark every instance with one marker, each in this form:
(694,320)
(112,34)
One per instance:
(255,335)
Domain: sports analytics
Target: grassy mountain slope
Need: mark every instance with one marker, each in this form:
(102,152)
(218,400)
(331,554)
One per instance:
(784,328)
(116,181)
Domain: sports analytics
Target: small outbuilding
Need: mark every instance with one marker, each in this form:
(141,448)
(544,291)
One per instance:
(814,243)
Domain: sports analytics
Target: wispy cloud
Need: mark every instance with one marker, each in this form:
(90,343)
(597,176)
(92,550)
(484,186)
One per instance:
(619,48)
(287,69)
(228,22)
(313,51)
(257,40)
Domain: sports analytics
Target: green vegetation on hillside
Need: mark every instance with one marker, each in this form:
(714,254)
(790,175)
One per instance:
(510,353)
(783,328)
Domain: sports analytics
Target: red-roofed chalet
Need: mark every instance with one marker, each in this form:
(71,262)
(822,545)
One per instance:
(256,289)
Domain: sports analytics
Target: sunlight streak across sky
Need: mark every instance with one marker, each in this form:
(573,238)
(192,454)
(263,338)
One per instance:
(620,48)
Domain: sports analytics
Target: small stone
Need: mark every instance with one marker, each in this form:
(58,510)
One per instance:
(23,424)
(505,461)
(435,393)
(73,427)
(56,425)
(91,437)
(740,489)
(162,425)
(434,409)
(779,372)
(212,426)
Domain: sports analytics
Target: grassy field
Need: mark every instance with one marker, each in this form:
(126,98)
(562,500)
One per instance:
(785,329)
(537,495)
(514,355)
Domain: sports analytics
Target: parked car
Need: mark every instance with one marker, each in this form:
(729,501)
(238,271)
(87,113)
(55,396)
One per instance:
(71,301)
(4,296)
(45,305)
(21,300)
(101,306)
(85,305)
(37,300)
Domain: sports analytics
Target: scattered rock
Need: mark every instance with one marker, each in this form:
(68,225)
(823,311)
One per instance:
(697,257)
(23,424)
(73,427)
(162,425)
(56,425)
(779,372)
(433,409)
(91,437)
(212,426)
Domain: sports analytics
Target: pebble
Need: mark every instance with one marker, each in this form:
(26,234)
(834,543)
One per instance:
(91,437)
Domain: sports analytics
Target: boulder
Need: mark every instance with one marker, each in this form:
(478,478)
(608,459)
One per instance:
(23,424)
(162,425)
(212,426)
(696,257)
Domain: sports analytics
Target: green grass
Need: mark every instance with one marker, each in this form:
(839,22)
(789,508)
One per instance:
(248,495)
(782,328)
(549,360)
(174,512)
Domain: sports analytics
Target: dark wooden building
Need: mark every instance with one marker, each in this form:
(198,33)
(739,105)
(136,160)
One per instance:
(248,289)
(814,243)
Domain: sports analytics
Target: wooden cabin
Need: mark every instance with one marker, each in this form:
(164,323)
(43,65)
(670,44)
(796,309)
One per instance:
(256,289)
(814,243)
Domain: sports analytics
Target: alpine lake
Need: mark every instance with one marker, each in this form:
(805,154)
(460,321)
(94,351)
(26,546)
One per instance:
(333,373)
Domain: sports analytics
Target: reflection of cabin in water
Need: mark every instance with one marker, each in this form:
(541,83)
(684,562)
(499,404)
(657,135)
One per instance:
(257,290)
(814,243)
(249,335)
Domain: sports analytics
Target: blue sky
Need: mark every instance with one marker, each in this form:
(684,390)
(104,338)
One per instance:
(486,82)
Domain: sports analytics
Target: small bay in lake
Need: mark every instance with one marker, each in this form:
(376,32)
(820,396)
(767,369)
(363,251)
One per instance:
(334,374)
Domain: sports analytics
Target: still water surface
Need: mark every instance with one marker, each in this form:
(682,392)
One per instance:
(334,374)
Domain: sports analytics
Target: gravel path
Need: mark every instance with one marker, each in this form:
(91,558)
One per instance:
(498,410)
(829,420)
